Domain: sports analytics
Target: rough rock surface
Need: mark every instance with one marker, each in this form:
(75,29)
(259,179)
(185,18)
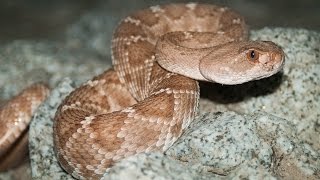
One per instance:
(44,164)
(228,145)
(249,143)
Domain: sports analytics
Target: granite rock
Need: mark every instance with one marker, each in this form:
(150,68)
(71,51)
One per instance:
(228,142)
(44,164)
(153,166)
(227,145)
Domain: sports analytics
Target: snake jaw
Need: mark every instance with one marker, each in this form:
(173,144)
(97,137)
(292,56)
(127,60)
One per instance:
(245,61)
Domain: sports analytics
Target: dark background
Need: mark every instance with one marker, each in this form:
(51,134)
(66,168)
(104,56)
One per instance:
(44,19)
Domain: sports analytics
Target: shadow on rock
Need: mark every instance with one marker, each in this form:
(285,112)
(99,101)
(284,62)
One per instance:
(226,94)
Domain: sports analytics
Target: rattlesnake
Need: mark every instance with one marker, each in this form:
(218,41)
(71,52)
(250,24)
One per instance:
(138,106)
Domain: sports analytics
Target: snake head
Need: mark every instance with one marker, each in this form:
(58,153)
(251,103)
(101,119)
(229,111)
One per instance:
(267,54)
(239,62)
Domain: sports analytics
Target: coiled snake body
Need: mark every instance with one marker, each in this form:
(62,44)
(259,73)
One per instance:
(140,106)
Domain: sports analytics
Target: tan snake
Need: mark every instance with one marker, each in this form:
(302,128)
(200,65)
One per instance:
(139,106)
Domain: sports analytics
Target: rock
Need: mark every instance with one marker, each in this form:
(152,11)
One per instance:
(153,166)
(44,164)
(227,145)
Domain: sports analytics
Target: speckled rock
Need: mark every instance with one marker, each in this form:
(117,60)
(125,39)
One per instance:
(227,142)
(154,166)
(44,164)
(227,145)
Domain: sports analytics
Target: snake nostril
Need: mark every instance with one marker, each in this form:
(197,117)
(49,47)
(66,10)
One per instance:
(272,67)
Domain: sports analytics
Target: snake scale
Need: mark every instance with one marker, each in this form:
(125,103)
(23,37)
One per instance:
(151,95)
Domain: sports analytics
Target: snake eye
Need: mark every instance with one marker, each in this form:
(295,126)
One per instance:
(253,55)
